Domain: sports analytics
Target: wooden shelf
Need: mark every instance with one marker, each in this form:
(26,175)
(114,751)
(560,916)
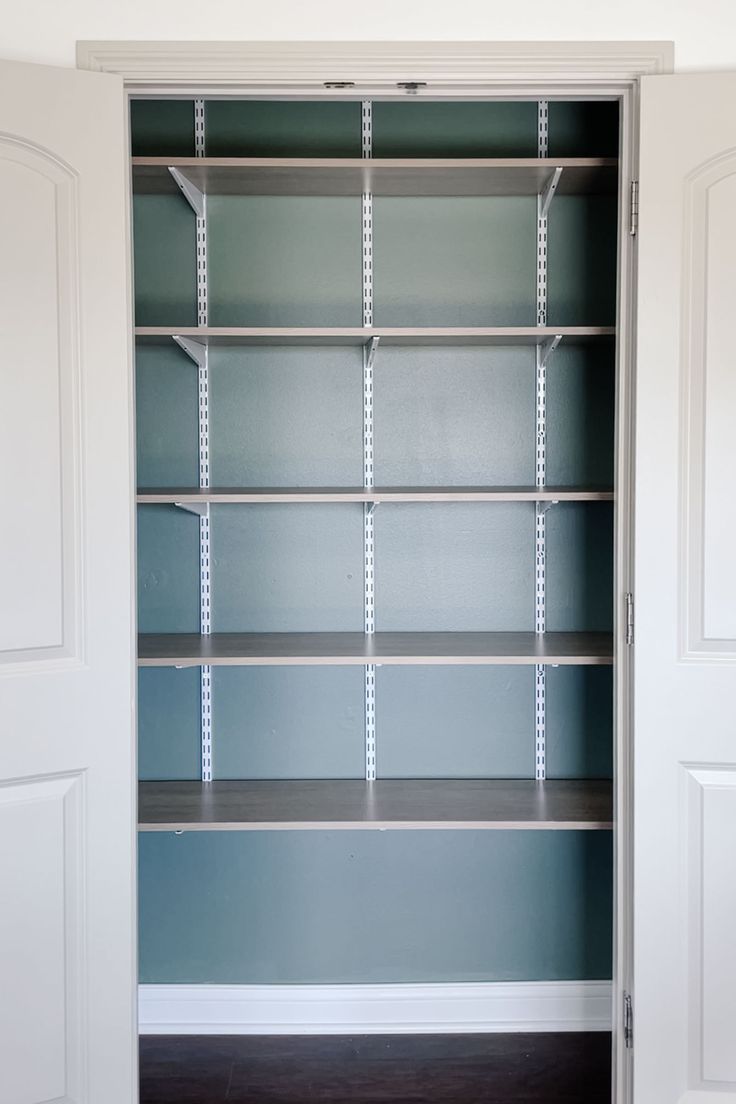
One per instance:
(387,803)
(194,496)
(267,649)
(343,176)
(357,335)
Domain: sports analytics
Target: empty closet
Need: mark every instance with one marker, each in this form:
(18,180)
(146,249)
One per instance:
(375,390)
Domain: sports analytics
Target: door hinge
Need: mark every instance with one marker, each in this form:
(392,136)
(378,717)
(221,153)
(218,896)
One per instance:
(634,209)
(628,1022)
(629,600)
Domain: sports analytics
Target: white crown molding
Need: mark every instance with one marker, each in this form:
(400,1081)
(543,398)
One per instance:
(374,1009)
(308,65)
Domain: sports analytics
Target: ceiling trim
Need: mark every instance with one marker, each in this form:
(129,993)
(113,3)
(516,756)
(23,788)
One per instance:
(304,66)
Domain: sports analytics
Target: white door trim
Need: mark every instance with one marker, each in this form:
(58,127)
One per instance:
(536,70)
(452,68)
(374,1009)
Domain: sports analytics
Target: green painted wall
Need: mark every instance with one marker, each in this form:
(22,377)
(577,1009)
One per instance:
(365,906)
(322,907)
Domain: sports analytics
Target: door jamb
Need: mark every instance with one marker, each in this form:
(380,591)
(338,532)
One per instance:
(470,71)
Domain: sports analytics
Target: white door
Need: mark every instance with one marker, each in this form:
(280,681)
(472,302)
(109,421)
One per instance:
(685,578)
(67,850)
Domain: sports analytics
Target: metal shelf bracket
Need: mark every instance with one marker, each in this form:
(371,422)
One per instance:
(196,350)
(201,509)
(547,348)
(547,194)
(192,194)
(372,349)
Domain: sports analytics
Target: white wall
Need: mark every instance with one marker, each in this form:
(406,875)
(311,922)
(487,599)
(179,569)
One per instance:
(704,31)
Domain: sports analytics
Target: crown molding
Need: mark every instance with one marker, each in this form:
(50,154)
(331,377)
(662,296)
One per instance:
(305,66)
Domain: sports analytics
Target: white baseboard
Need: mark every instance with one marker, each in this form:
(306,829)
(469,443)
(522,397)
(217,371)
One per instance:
(374,1009)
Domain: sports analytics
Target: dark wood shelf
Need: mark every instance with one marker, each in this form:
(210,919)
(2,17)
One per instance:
(348,176)
(216,336)
(266,649)
(387,803)
(195,496)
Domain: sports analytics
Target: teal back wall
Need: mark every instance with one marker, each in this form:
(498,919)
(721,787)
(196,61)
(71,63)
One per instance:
(279,907)
(351,907)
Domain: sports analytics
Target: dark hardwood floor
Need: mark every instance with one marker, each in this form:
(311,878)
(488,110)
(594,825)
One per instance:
(570,1068)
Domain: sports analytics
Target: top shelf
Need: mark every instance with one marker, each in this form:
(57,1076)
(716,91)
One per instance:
(356,335)
(346,176)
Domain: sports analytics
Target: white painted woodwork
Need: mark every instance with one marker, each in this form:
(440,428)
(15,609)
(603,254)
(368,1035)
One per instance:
(41,880)
(685,634)
(375,1009)
(711,299)
(459,69)
(67,947)
(716,809)
(38,592)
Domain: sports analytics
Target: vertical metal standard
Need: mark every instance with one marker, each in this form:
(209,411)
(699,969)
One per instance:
(367,215)
(542,128)
(369,578)
(540,551)
(540,554)
(203,389)
(369,352)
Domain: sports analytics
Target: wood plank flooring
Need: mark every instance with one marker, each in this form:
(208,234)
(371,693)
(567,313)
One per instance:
(573,1068)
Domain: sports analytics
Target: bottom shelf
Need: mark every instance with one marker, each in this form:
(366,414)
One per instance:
(388,803)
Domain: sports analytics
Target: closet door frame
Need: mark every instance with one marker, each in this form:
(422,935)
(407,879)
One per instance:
(468,70)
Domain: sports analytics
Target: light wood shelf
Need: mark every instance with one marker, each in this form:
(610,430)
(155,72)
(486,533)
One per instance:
(347,176)
(357,335)
(281,649)
(386,803)
(196,497)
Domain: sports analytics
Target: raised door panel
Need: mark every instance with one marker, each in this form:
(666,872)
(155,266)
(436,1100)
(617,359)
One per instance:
(712,831)
(39,560)
(709,381)
(40,962)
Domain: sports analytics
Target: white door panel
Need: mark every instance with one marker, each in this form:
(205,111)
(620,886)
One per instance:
(67,947)
(685,649)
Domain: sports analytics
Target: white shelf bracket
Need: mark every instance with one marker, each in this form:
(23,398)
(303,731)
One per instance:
(191,193)
(371,350)
(547,348)
(547,194)
(201,509)
(196,350)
